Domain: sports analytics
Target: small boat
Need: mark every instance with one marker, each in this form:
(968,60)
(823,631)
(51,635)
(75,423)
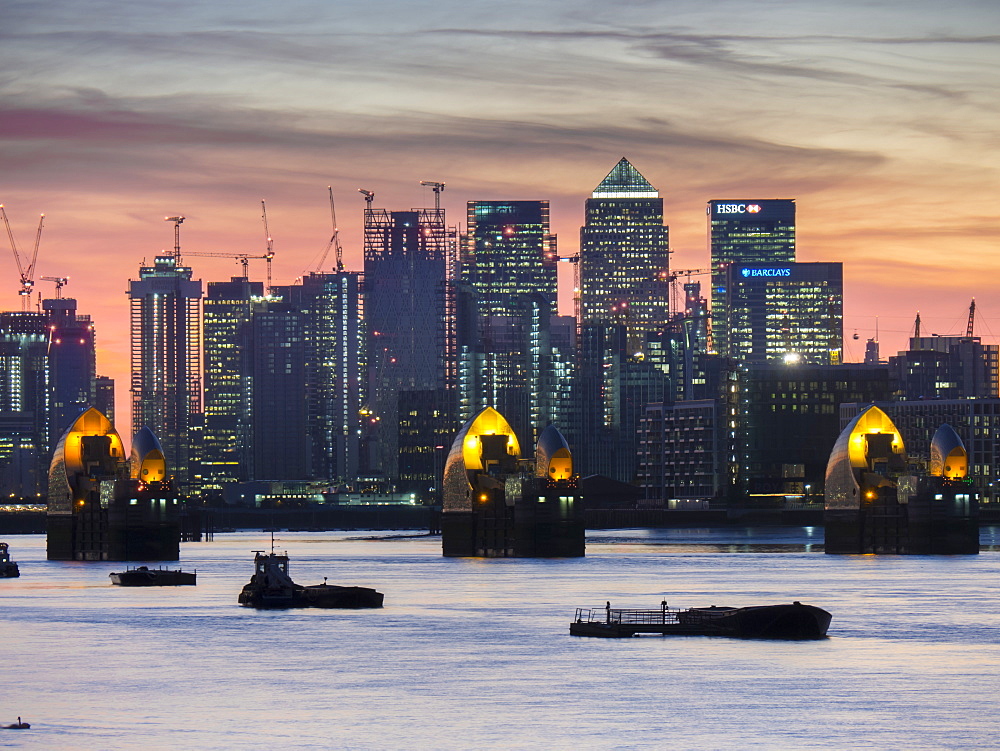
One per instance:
(794,621)
(152,577)
(8,569)
(272,587)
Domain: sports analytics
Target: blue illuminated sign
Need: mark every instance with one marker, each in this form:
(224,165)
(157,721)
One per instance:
(766,272)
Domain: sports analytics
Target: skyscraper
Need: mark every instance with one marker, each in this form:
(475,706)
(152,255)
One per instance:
(331,308)
(73,362)
(624,308)
(778,311)
(509,250)
(507,300)
(226,442)
(745,231)
(166,359)
(275,359)
(410,332)
(25,403)
(624,254)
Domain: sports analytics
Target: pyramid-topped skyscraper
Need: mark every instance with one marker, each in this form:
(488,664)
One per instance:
(625,181)
(624,253)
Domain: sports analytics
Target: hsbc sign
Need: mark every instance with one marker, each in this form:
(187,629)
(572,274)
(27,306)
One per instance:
(737,208)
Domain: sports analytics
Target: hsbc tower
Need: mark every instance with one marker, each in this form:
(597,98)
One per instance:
(745,231)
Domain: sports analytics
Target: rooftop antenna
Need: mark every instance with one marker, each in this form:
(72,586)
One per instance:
(438,188)
(972,318)
(916,326)
(178,221)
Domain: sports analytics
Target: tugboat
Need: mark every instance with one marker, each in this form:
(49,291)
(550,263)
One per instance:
(152,577)
(272,587)
(795,621)
(8,569)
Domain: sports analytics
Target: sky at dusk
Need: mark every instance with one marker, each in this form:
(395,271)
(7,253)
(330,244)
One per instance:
(879,117)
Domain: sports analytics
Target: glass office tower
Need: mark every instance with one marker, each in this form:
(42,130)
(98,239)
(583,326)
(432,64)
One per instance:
(624,254)
(745,231)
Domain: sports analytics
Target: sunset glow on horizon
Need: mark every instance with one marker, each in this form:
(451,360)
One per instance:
(878,118)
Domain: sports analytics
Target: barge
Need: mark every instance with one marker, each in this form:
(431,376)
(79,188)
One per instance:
(144,576)
(794,621)
(8,568)
(271,587)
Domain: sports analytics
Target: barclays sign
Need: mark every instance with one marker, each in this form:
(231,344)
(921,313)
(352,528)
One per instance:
(766,272)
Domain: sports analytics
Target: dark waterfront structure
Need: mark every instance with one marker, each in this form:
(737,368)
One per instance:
(102,507)
(497,505)
(785,311)
(763,441)
(947,367)
(410,336)
(25,403)
(166,359)
(745,231)
(879,502)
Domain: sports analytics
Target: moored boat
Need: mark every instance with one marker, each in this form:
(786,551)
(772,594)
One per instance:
(8,568)
(144,576)
(271,587)
(794,621)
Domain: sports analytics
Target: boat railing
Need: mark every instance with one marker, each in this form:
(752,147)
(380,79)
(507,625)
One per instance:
(626,616)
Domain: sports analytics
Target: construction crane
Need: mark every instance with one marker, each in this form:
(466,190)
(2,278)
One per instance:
(972,318)
(25,269)
(243,258)
(369,197)
(438,188)
(60,282)
(672,278)
(334,239)
(178,221)
(269,255)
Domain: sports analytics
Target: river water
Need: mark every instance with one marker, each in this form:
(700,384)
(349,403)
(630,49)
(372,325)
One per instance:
(476,654)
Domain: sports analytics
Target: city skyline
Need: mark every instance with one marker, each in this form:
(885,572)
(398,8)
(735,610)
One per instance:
(874,120)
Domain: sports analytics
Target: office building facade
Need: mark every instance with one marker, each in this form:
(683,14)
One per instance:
(226,441)
(624,253)
(410,335)
(25,404)
(777,311)
(166,360)
(745,231)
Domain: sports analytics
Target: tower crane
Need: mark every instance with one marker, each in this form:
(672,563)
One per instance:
(672,278)
(243,258)
(60,282)
(178,221)
(25,269)
(334,239)
(269,255)
(438,188)
(369,197)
